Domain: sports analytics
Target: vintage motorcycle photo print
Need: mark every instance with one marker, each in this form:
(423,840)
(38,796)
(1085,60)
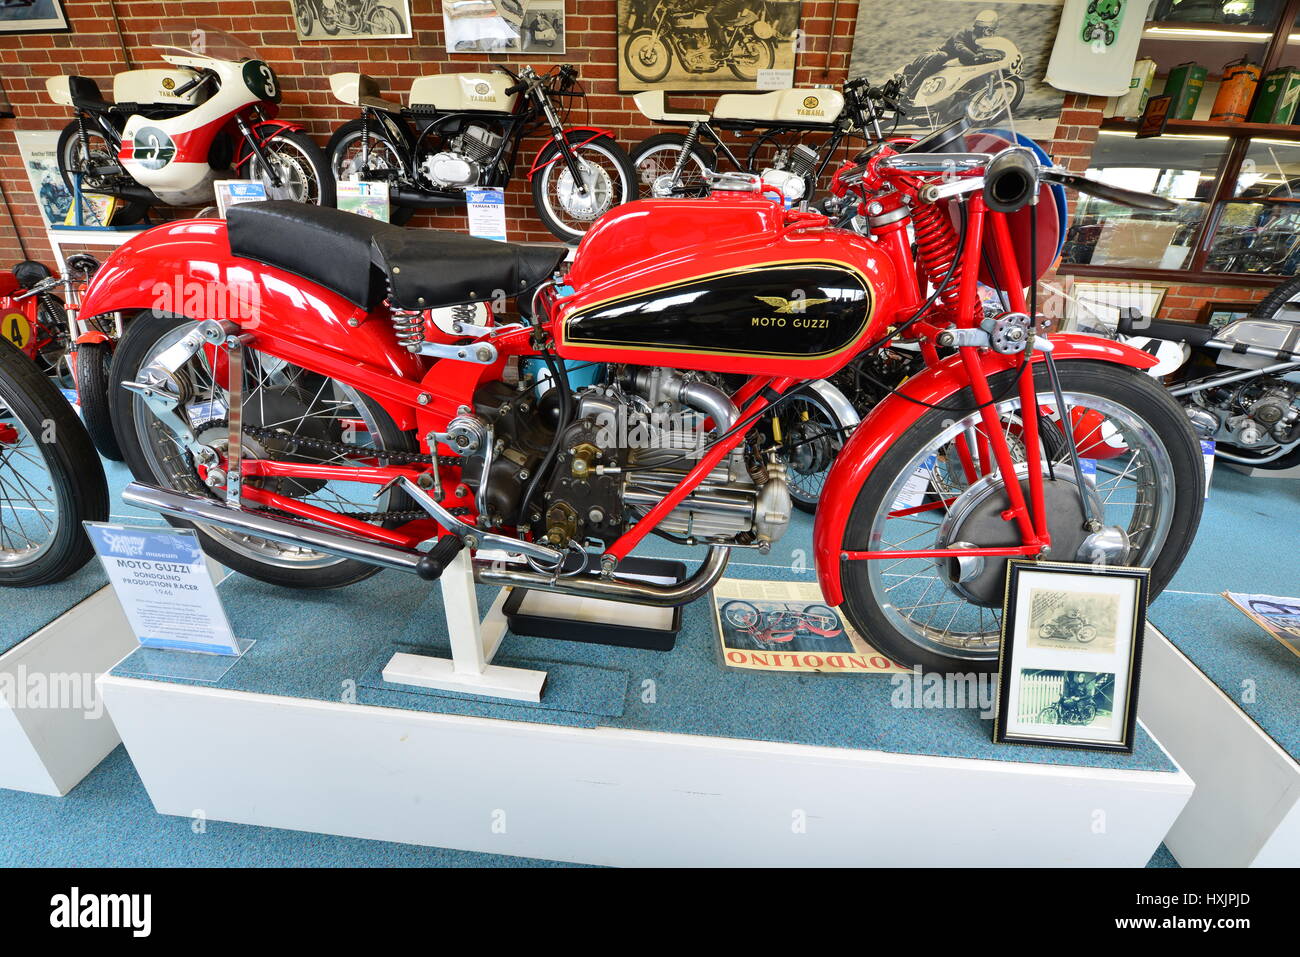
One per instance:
(351,19)
(1083,621)
(955,59)
(697,45)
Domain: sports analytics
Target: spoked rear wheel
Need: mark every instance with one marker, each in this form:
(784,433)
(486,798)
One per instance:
(947,616)
(656,157)
(290,414)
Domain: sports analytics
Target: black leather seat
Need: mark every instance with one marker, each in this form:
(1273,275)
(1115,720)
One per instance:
(427,268)
(86,96)
(327,246)
(364,260)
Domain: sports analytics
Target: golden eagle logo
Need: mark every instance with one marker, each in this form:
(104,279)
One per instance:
(785,307)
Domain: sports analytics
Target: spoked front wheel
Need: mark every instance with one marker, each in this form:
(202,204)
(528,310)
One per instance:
(568,205)
(946,615)
(656,158)
(302,170)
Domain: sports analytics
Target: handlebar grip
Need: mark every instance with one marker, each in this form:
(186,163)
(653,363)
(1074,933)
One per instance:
(514,88)
(432,565)
(1133,323)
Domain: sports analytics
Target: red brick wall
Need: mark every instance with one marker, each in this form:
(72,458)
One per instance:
(93,49)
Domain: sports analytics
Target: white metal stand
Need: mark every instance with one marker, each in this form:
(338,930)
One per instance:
(473,645)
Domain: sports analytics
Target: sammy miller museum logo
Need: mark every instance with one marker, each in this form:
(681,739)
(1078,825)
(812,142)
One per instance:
(131,546)
(239,302)
(77,909)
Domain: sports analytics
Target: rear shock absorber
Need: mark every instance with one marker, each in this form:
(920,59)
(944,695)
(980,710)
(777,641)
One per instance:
(408,325)
(936,248)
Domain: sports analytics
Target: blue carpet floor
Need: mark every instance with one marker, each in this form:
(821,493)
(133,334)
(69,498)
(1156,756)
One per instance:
(24,611)
(1248,533)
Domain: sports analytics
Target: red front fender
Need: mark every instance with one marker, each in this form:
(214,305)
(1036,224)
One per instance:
(894,416)
(576,135)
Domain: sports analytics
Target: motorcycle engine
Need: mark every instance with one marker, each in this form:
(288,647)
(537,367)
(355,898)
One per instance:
(462,164)
(1262,412)
(629,442)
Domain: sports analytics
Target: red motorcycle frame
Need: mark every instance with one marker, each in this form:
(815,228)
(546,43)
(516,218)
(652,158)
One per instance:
(326,334)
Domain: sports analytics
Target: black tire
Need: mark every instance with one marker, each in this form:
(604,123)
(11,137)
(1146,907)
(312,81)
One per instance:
(1134,390)
(304,17)
(648,73)
(765,57)
(661,144)
(302,148)
(395,25)
(132,352)
(128,212)
(336,152)
(94,359)
(624,190)
(77,482)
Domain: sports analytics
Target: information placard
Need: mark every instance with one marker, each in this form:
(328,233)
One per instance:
(486,209)
(161,580)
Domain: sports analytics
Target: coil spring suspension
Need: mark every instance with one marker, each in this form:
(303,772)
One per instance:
(936,248)
(409,327)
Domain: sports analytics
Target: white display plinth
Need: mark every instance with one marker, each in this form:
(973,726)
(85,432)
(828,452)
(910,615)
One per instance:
(49,745)
(1246,809)
(613,796)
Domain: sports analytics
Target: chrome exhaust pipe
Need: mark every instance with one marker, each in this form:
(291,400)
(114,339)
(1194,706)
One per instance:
(638,593)
(291,531)
(207,511)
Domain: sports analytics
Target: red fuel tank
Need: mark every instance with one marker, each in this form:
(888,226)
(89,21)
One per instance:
(723,284)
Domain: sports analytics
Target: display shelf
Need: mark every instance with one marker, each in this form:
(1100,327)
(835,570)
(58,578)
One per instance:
(1277,131)
(631,757)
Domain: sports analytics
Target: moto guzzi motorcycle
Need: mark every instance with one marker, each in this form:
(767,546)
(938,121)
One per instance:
(340,433)
(781,627)
(169,134)
(1239,385)
(468,128)
(981,92)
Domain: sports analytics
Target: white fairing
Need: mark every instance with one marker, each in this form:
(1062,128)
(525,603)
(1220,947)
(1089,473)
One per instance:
(155,86)
(57,89)
(781,106)
(456,92)
(652,105)
(149,146)
(1169,355)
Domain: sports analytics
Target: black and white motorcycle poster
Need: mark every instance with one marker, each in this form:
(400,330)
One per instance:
(973,58)
(32,16)
(352,19)
(693,46)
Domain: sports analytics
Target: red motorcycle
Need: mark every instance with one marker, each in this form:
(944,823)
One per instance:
(781,626)
(339,429)
(33,318)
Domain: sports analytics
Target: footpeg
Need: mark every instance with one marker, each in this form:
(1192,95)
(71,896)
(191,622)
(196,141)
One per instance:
(432,565)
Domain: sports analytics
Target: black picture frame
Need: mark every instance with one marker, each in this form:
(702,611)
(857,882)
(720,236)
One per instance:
(1015,680)
(12,23)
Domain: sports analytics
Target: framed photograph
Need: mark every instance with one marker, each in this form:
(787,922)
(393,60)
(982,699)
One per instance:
(1071,655)
(542,29)
(1216,315)
(369,20)
(483,26)
(711,45)
(32,16)
(973,58)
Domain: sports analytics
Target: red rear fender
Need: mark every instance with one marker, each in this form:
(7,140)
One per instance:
(186,268)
